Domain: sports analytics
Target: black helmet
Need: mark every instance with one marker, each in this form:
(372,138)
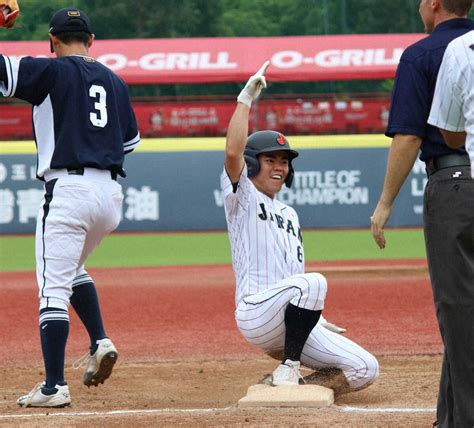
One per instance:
(264,142)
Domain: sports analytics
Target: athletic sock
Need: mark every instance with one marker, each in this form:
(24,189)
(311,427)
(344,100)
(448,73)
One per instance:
(85,302)
(298,322)
(54,330)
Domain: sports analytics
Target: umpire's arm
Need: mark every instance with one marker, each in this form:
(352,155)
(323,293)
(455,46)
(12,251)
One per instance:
(401,158)
(455,140)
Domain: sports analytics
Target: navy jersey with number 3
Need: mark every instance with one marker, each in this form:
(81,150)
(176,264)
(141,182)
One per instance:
(82,115)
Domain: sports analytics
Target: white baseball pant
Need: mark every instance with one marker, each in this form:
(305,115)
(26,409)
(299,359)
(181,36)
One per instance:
(261,320)
(81,211)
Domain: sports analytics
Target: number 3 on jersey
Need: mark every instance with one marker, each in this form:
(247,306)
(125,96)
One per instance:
(98,119)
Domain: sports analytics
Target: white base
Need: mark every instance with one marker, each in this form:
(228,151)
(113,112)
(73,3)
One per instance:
(287,396)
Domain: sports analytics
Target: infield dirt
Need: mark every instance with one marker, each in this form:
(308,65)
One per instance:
(182,361)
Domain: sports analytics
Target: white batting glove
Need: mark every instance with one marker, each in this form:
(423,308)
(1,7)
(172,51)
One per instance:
(330,326)
(254,86)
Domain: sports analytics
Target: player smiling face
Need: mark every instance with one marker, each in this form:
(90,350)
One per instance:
(274,168)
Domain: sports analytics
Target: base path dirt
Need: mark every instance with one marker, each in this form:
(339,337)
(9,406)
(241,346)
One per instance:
(182,360)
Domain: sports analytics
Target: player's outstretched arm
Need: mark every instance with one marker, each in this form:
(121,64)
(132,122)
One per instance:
(237,130)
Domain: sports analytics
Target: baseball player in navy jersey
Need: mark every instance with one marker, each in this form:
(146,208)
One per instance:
(453,103)
(83,125)
(278,304)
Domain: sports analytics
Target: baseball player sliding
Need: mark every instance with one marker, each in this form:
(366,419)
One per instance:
(278,304)
(83,124)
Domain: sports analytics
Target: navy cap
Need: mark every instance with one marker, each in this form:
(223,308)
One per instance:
(70,20)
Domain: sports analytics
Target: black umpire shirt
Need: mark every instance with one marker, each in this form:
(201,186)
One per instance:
(415,84)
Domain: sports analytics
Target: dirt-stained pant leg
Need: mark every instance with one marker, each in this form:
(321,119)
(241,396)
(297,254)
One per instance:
(449,237)
(261,320)
(325,349)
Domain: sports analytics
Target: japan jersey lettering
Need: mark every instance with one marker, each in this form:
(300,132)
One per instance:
(100,105)
(265,237)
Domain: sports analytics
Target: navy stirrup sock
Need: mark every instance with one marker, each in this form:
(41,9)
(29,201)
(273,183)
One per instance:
(54,330)
(298,322)
(85,302)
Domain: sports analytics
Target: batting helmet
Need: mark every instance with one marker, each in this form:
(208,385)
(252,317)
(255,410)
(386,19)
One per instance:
(264,142)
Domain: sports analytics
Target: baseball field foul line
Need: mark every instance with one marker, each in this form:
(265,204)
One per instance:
(223,409)
(387,410)
(113,413)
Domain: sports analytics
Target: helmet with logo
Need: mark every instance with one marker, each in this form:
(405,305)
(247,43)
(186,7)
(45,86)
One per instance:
(264,142)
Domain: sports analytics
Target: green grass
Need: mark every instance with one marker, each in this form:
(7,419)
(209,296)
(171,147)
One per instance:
(126,250)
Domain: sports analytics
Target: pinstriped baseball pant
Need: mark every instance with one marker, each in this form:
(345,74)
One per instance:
(261,320)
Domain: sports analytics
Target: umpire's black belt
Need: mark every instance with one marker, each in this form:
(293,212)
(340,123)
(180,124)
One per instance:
(447,161)
(80,171)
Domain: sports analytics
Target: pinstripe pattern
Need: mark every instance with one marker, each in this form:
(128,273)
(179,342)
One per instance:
(268,263)
(264,237)
(453,102)
(327,349)
(261,320)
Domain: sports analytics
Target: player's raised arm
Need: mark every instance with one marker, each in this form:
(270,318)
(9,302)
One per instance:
(237,130)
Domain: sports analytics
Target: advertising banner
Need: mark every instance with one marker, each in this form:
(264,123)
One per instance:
(225,59)
(355,115)
(177,191)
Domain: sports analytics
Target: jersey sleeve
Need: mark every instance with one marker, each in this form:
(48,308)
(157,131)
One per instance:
(447,108)
(3,75)
(132,135)
(410,103)
(8,75)
(28,79)
(236,195)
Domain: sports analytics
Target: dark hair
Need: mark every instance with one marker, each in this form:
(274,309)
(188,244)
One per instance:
(75,36)
(458,7)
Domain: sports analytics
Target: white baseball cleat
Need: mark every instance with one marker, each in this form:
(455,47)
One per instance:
(100,365)
(287,373)
(36,397)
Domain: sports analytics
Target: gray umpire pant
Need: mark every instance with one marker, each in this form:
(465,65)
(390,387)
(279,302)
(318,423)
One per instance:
(449,238)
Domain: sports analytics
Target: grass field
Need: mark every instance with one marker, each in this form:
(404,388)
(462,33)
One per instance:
(158,249)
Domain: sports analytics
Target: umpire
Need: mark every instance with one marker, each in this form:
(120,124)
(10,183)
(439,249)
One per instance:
(448,202)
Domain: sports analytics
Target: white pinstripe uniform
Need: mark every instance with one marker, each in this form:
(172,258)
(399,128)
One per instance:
(268,262)
(453,102)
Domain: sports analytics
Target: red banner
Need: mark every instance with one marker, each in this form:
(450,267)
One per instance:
(194,60)
(300,116)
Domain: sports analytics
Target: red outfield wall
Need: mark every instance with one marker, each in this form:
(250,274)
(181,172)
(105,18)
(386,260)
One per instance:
(198,118)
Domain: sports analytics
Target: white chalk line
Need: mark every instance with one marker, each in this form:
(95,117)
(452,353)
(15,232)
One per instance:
(387,410)
(51,412)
